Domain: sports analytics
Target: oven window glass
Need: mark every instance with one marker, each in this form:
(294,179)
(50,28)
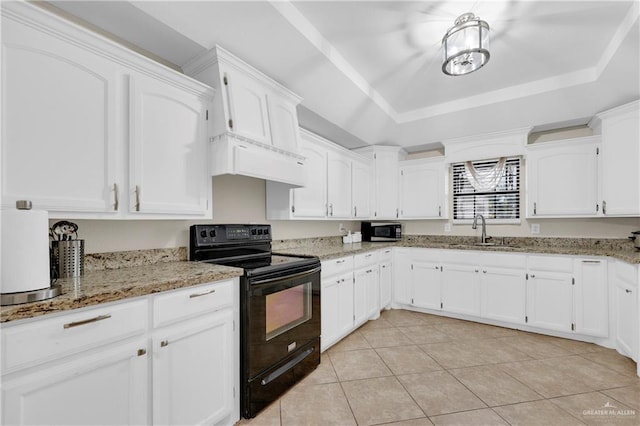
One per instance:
(287,309)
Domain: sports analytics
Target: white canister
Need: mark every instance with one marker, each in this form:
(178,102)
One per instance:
(25,249)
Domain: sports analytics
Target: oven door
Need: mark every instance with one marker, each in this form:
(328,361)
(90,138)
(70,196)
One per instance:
(282,314)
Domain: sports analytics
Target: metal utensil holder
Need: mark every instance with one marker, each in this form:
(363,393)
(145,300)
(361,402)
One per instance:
(68,258)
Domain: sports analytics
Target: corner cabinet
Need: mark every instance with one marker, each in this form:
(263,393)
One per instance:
(423,191)
(79,86)
(620,129)
(168,162)
(626,300)
(562,178)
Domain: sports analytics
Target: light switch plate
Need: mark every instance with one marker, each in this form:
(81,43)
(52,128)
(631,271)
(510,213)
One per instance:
(535,228)
(447,227)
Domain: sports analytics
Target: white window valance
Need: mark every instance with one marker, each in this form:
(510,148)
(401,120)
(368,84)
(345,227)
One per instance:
(484,179)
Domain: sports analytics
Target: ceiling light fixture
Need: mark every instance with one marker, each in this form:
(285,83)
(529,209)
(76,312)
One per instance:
(465,45)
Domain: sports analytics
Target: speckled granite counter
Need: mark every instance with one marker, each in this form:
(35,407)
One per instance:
(110,285)
(327,248)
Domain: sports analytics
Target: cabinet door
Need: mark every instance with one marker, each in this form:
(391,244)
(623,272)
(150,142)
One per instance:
(108,387)
(591,298)
(339,185)
(620,171)
(563,180)
(402,276)
(386,185)
(550,300)
(421,191)
(461,289)
(360,296)
(59,126)
(283,119)
(246,104)
(346,304)
(426,278)
(386,277)
(192,371)
(361,189)
(626,302)
(311,201)
(168,149)
(330,311)
(504,294)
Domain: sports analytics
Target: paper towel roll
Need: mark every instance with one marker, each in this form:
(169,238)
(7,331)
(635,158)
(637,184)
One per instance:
(25,250)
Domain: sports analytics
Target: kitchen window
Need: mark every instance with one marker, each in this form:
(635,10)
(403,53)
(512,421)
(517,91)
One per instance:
(488,187)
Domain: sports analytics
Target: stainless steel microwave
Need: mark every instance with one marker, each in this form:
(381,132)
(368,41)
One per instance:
(381,231)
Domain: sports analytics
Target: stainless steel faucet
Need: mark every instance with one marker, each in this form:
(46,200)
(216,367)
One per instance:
(484,227)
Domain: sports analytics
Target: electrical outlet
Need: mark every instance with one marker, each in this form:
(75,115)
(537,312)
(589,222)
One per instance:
(447,227)
(535,228)
(341,228)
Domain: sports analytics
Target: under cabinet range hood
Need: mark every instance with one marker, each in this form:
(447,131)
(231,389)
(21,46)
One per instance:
(254,124)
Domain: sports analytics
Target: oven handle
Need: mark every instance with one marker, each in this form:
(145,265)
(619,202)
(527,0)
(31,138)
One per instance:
(287,277)
(288,366)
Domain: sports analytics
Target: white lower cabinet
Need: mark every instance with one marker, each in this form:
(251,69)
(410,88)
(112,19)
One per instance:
(104,387)
(426,278)
(625,293)
(385,278)
(92,366)
(550,300)
(191,371)
(366,290)
(336,309)
(591,297)
(504,287)
(461,288)
(402,275)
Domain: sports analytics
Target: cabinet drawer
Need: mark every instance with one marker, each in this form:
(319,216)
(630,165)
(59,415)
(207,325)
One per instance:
(337,266)
(364,259)
(43,340)
(385,255)
(425,255)
(551,263)
(182,304)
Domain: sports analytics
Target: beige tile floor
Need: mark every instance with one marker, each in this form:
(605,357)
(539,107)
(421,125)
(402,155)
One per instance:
(413,369)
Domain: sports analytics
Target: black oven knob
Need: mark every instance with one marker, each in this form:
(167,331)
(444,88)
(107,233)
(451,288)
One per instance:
(203,234)
(260,231)
(266,231)
(212,233)
(254,231)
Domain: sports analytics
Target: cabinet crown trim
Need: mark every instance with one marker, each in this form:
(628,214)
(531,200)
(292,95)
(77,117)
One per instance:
(220,55)
(229,136)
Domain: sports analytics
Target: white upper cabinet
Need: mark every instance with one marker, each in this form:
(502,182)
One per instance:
(339,185)
(167,149)
(254,127)
(59,133)
(562,178)
(247,113)
(384,198)
(620,159)
(422,189)
(78,87)
(361,189)
(311,200)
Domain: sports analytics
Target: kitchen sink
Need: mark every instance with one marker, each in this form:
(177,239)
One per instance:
(476,245)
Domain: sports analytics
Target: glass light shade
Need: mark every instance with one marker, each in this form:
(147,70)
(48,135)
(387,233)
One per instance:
(465,46)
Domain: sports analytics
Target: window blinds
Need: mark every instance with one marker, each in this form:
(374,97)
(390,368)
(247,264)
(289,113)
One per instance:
(497,198)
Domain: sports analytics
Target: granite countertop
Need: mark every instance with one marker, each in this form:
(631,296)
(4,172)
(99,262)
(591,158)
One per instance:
(110,285)
(624,252)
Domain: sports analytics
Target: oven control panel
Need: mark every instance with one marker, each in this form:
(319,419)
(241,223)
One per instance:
(204,235)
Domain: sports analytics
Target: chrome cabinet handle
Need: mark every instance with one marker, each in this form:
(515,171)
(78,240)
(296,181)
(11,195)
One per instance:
(604,207)
(355,211)
(532,276)
(142,352)
(164,343)
(367,255)
(369,271)
(331,209)
(628,291)
(137,198)
(87,321)
(477,270)
(384,266)
(116,203)
(191,296)
(396,212)
(484,271)
(341,261)
(590,261)
(535,208)
(439,211)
